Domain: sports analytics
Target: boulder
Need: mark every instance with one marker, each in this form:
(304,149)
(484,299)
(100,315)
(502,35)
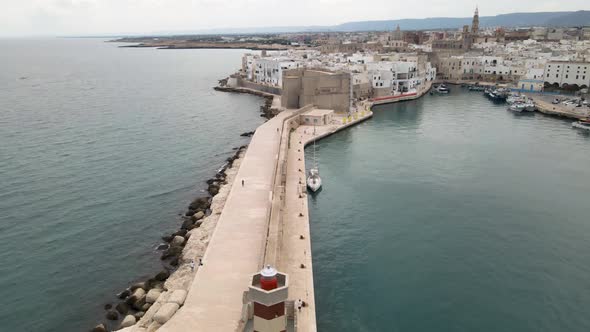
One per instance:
(190,212)
(167,238)
(187,224)
(139,292)
(201,203)
(137,305)
(171,252)
(213,189)
(178,296)
(152,295)
(174,262)
(180,232)
(159,286)
(129,320)
(122,308)
(199,215)
(247,134)
(146,307)
(108,306)
(124,294)
(163,275)
(137,285)
(166,312)
(177,241)
(136,296)
(112,315)
(99,328)
(138,315)
(162,246)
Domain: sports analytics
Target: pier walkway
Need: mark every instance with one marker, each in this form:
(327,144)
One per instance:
(236,249)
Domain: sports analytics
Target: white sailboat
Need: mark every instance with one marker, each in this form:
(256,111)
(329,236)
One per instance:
(314,182)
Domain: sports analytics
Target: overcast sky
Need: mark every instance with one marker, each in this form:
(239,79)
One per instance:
(84,17)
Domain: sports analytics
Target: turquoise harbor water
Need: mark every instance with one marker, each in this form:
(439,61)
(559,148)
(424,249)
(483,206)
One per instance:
(451,214)
(100,148)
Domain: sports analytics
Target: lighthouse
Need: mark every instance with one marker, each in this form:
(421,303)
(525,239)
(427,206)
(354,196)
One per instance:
(268,292)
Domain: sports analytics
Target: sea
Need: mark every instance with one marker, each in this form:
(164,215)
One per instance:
(101,149)
(450,213)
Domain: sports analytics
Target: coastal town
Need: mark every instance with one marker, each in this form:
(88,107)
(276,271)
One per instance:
(252,238)
(280,166)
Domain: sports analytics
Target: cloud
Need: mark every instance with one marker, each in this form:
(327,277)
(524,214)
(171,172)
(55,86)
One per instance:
(78,17)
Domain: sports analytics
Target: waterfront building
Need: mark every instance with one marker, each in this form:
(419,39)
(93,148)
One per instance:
(530,85)
(322,88)
(317,117)
(270,71)
(568,75)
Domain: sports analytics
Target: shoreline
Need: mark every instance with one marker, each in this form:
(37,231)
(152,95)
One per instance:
(191,243)
(139,302)
(142,301)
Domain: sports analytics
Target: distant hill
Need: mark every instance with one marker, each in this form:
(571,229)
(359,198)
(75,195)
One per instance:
(562,19)
(565,19)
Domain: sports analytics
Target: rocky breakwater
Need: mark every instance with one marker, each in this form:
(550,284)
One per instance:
(147,305)
(266,110)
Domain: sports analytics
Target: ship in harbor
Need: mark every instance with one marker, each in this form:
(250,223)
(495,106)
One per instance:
(314,181)
(582,124)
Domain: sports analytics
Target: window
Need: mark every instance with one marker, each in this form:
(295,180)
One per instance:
(556,76)
(577,76)
(566,76)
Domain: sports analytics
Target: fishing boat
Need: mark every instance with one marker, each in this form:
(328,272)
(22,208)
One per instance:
(442,89)
(582,124)
(314,181)
(497,95)
(522,106)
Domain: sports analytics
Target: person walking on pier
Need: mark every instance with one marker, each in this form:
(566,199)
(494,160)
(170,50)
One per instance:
(192,265)
(299,304)
(242,182)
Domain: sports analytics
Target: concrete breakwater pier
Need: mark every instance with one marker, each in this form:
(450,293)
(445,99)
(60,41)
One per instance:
(264,221)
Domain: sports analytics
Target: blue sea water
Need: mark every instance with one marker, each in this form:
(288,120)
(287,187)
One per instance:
(101,148)
(451,214)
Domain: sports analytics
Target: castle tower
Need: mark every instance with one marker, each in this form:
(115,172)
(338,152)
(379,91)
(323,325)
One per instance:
(475,24)
(269,291)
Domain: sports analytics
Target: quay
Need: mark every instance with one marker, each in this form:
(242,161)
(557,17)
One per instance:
(244,241)
(265,219)
(544,105)
(265,222)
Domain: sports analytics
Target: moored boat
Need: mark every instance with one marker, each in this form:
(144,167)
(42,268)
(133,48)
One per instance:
(582,124)
(314,181)
(442,89)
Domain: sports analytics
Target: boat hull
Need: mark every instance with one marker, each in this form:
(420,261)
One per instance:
(581,126)
(314,183)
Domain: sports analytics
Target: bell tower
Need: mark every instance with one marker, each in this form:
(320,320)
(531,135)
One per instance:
(475,23)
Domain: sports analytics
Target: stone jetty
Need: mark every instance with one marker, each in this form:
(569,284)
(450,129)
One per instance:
(260,217)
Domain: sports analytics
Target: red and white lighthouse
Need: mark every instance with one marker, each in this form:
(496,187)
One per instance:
(268,292)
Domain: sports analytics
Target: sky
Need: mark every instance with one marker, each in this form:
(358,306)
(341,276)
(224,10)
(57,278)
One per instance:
(95,17)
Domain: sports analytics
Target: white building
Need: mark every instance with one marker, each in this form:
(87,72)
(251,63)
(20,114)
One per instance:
(564,74)
(270,70)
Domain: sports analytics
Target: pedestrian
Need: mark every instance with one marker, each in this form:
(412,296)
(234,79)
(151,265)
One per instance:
(200,262)
(242,182)
(192,265)
(299,304)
